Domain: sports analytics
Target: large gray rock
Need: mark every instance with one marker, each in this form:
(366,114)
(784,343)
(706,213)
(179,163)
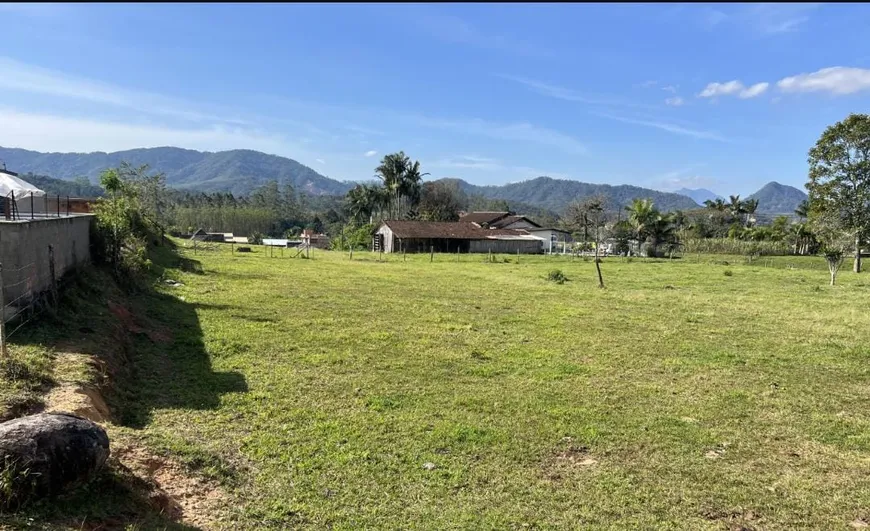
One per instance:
(48,454)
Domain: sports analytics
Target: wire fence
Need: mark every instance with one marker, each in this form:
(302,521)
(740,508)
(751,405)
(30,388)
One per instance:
(25,293)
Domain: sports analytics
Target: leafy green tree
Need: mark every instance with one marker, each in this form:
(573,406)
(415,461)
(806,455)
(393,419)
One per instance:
(803,210)
(839,184)
(441,201)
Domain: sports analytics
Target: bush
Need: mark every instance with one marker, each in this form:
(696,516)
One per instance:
(358,238)
(256,238)
(728,273)
(557,276)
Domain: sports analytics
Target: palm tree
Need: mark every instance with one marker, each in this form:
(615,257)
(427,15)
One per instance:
(662,230)
(366,201)
(402,180)
(679,219)
(735,206)
(718,204)
(749,208)
(642,213)
(803,209)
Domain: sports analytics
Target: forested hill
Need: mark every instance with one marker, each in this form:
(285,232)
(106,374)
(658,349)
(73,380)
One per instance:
(238,171)
(556,194)
(775,198)
(79,187)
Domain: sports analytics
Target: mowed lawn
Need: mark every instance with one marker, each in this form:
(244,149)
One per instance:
(365,394)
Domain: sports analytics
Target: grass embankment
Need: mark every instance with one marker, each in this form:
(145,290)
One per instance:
(325,392)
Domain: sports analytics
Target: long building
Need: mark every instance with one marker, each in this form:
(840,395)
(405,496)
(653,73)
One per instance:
(477,232)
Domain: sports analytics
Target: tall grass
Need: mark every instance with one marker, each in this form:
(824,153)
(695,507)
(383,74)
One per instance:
(736,247)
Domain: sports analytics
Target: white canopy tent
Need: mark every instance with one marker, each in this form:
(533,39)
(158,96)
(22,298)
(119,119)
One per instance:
(22,189)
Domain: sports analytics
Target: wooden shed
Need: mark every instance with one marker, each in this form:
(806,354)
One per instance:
(450,237)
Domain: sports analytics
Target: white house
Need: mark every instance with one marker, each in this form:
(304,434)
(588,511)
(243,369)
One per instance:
(554,239)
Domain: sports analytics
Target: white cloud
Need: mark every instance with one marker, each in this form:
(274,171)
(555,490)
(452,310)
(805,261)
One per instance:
(486,164)
(670,88)
(710,18)
(753,91)
(20,77)
(371,153)
(43,132)
(562,93)
(713,90)
(523,132)
(453,29)
(649,84)
(721,89)
(676,101)
(320,161)
(469,162)
(669,127)
(837,80)
(776,18)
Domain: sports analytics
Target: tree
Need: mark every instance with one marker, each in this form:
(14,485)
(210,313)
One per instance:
(642,214)
(802,210)
(735,206)
(589,216)
(441,201)
(364,202)
(839,183)
(835,240)
(749,208)
(402,179)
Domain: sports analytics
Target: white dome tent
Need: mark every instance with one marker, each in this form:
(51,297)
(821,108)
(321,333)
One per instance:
(15,190)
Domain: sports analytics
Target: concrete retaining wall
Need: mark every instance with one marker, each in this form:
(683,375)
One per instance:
(24,251)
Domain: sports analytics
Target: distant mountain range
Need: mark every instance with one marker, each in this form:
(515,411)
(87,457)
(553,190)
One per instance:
(699,195)
(775,198)
(237,171)
(240,171)
(556,194)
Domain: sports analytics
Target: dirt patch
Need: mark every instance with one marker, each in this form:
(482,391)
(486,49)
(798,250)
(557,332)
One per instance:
(79,400)
(736,520)
(566,460)
(128,321)
(172,489)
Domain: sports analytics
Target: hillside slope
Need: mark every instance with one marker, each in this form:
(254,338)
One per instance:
(238,171)
(556,194)
(775,198)
(699,195)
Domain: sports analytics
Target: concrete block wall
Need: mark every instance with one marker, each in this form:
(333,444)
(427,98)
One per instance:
(24,251)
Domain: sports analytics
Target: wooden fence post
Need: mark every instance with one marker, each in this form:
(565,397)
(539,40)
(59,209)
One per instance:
(518,256)
(431,253)
(404,258)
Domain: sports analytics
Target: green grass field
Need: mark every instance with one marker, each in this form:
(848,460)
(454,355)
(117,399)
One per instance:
(365,394)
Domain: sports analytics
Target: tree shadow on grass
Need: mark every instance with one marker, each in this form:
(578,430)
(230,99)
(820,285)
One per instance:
(148,353)
(116,500)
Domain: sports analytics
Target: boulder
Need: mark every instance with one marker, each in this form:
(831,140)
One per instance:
(48,454)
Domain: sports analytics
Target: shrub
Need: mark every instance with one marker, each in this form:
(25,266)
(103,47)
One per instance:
(557,276)
(256,238)
(728,273)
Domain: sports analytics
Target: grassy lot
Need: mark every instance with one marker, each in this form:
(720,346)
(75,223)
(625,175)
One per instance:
(688,394)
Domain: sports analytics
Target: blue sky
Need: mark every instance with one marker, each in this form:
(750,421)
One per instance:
(721,96)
